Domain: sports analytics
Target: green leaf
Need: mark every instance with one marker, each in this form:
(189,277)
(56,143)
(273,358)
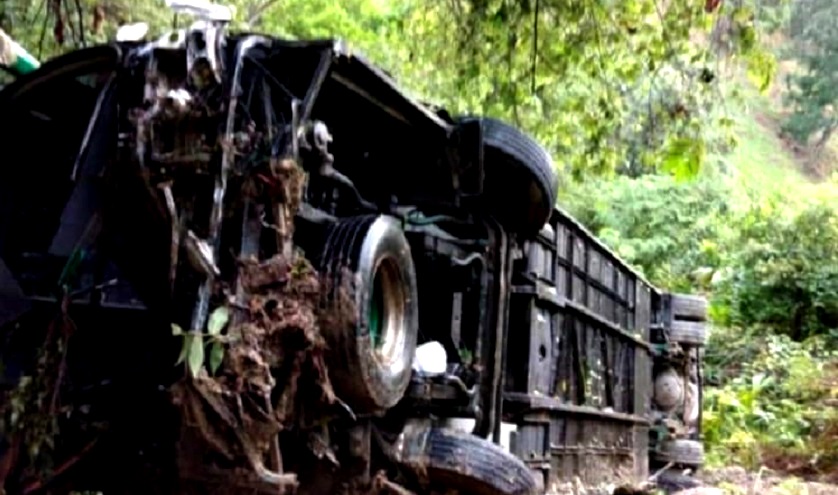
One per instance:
(683,157)
(218,320)
(761,68)
(216,356)
(176,330)
(195,358)
(184,349)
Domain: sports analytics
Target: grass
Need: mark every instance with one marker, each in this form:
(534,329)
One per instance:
(761,159)
(764,162)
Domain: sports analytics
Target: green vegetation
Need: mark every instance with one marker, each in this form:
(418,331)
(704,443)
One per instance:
(760,158)
(814,91)
(663,113)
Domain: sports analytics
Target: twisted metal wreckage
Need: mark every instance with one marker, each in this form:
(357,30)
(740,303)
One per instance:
(270,216)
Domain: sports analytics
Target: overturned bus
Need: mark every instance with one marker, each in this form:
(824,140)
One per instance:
(231,263)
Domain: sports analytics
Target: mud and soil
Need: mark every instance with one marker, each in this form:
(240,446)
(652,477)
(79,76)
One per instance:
(273,376)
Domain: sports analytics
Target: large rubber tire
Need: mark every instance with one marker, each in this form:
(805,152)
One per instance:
(520,184)
(688,307)
(672,481)
(371,299)
(450,460)
(691,333)
(689,453)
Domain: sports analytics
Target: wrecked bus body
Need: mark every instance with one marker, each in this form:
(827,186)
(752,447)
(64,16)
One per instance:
(239,263)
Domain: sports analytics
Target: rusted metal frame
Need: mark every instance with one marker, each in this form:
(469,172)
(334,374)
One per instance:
(624,382)
(577,351)
(492,341)
(567,323)
(388,81)
(638,345)
(642,357)
(558,324)
(484,347)
(539,464)
(574,270)
(560,365)
(381,485)
(553,404)
(362,92)
(486,281)
(201,311)
(613,328)
(539,418)
(580,361)
(505,271)
(609,372)
(249,242)
(176,228)
(590,450)
(574,225)
(577,231)
(320,75)
(615,283)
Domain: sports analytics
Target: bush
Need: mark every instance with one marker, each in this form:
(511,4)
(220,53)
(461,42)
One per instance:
(776,402)
(782,272)
(770,264)
(671,230)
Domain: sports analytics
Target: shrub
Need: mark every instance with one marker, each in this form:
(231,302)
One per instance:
(777,401)
(769,263)
(671,230)
(782,273)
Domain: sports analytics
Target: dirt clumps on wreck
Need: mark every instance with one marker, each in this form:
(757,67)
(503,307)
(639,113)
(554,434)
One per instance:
(273,375)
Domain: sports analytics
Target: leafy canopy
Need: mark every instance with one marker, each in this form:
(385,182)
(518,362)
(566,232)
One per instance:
(606,85)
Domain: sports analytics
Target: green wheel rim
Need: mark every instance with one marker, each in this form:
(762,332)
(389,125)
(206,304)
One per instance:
(376,311)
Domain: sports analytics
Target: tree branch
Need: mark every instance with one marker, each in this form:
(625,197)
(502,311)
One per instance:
(80,15)
(255,14)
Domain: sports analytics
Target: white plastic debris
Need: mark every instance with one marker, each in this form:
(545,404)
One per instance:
(132,32)
(179,97)
(463,425)
(507,430)
(431,359)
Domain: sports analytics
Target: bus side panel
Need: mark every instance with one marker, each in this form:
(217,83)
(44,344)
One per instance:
(577,388)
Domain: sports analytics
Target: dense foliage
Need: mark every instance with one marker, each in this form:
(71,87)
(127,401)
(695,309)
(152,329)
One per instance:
(606,85)
(769,261)
(776,402)
(670,229)
(814,89)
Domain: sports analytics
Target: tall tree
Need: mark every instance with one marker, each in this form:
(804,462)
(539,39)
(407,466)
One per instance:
(608,85)
(813,92)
